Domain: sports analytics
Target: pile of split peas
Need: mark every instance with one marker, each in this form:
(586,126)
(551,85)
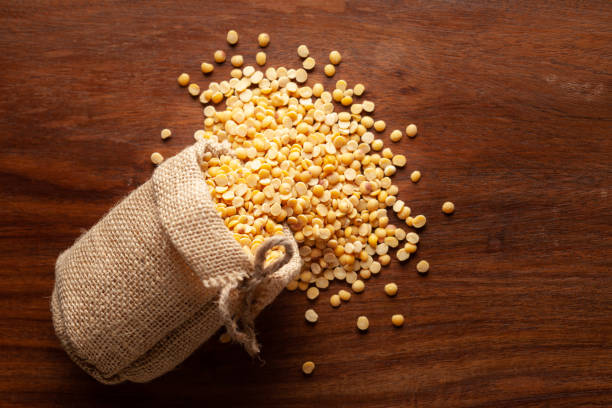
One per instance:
(309,158)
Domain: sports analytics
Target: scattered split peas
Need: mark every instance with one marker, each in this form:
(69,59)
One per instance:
(300,162)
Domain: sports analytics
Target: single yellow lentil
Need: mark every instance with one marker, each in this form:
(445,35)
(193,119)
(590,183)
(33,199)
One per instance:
(358,286)
(207,68)
(448,207)
(302,51)
(308,367)
(183,79)
(261,58)
(219,56)
(363,323)
(397,320)
(312,293)
(415,176)
(402,254)
(193,89)
(335,57)
(308,63)
(237,60)
(329,70)
(419,221)
(411,130)
(377,145)
(391,289)
(359,89)
(346,100)
(263,39)
(396,135)
(334,300)
(166,133)
(399,160)
(157,158)
(384,259)
(422,267)
(232,37)
(311,316)
(380,125)
(412,237)
(345,295)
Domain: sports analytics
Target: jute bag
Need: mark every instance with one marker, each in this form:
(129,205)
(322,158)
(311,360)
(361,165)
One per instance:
(158,275)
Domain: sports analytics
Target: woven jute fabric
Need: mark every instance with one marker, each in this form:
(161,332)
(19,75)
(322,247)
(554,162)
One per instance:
(139,292)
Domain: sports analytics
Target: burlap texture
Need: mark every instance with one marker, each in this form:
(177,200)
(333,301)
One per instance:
(136,294)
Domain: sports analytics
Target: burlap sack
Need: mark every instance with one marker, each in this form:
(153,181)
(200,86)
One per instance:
(160,274)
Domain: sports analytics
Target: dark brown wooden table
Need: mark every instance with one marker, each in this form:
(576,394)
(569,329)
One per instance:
(513,102)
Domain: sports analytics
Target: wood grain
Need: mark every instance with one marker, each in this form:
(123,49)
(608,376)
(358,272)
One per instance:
(513,102)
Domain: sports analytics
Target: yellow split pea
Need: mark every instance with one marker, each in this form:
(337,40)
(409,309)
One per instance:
(363,323)
(166,133)
(334,300)
(335,57)
(308,367)
(183,79)
(330,70)
(193,89)
(207,68)
(263,39)
(232,37)
(391,289)
(157,158)
(448,207)
(397,320)
(311,316)
(219,56)
(237,60)
(308,63)
(261,58)
(303,51)
(411,130)
(422,267)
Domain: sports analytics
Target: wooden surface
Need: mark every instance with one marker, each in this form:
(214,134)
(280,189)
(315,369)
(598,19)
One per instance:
(513,102)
